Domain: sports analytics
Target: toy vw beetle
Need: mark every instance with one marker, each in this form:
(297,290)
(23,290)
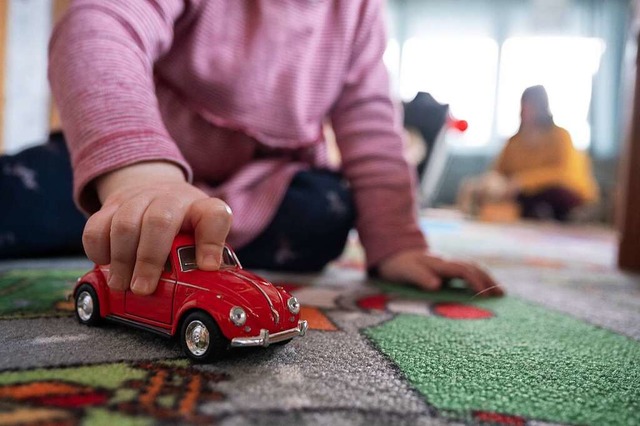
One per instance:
(208,311)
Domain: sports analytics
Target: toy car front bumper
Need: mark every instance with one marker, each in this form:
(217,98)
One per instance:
(265,339)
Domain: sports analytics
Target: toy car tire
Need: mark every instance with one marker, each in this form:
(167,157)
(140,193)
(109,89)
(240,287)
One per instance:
(201,338)
(284,342)
(87,305)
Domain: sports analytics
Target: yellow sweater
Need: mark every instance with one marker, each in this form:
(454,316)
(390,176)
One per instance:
(547,159)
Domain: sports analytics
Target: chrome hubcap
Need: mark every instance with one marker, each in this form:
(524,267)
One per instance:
(84,306)
(197,338)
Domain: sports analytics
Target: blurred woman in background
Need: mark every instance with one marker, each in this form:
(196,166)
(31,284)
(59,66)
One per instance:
(546,174)
(538,168)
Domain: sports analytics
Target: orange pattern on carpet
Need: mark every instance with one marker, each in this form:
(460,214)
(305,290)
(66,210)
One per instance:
(317,320)
(39,389)
(36,416)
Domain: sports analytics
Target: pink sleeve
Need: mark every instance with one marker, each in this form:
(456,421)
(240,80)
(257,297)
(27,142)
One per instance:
(370,142)
(101,58)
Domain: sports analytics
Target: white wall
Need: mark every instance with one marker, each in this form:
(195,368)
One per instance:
(26,108)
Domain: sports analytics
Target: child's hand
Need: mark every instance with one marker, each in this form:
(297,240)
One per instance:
(427,271)
(144,206)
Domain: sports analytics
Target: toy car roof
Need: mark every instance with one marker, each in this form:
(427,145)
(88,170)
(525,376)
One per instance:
(184,240)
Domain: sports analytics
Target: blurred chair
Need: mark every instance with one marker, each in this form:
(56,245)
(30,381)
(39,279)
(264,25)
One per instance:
(426,122)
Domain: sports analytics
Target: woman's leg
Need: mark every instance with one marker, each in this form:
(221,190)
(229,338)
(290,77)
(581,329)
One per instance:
(310,228)
(37,214)
(554,202)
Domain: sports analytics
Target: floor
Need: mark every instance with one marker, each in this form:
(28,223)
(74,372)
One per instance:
(561,348)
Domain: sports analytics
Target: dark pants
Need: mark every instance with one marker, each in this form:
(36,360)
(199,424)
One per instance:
(38,216)
(310,228)
(551,203)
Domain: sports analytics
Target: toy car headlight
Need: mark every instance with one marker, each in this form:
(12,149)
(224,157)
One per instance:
(238,316)
(293,305)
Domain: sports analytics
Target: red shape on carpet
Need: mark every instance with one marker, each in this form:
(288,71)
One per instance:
(497,418)
(460,311)
(72,401)
(377,302)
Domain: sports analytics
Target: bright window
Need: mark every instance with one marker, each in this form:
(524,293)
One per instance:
(392,61)
(392,56)
(460,72)
(565,66)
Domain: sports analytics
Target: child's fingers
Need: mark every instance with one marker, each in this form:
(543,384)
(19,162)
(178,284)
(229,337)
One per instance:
(160,224)
(425,278)
(474,278)
(412,272)
(481,282)
(210,219)
(493,287)
(95,237)
(125,234)
(459,270)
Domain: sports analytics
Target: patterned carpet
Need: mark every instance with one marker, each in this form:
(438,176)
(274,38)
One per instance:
(562,348)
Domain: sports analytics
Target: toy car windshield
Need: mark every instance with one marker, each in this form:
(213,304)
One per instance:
(187,256)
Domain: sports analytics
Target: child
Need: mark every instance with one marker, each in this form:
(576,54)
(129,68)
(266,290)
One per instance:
(171,106)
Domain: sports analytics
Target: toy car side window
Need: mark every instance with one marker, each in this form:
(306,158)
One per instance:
(167,266)
(187,256)
(228,259)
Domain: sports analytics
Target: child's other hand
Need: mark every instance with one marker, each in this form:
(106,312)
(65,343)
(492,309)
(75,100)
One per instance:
(144,206)
(426,271)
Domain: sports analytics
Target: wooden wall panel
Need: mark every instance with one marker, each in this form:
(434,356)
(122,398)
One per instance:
(629,250)
(4,22)
(59,7)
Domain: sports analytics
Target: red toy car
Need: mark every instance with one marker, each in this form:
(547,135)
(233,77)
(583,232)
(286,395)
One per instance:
(209,311)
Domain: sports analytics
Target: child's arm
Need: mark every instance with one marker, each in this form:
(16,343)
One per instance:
(383,184)
(126,166)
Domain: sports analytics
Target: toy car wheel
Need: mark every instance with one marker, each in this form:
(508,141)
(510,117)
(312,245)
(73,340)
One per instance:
(201,339)
(87,305)
(282,343)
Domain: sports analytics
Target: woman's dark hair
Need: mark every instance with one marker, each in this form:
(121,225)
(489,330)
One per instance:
(537,97)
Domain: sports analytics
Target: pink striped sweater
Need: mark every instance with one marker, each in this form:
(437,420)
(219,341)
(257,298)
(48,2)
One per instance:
(235,93)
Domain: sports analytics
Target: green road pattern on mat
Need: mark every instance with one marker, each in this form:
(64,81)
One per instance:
(102,417)
(527,361)
(28,293)
(107,376)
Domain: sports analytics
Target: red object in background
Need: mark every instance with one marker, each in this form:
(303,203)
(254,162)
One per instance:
(209,311)
(460,125)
